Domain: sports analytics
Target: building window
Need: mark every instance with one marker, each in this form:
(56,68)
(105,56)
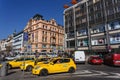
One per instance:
(109,2)
(97,7)
(71,44)
(82,32)
(36,46)
(33,37)
(90,2)
(42,39)
(43,45)
(91,10)
(83,20)
(43,32)
(98,41)
(43,26)
(98,15)
(82,6)
(82,42)
(36,36)
(71,34)
(45,39)
(118,8)
(117,1)
(98,29)
(115,38)
(110,11)
(53,22)
(91,17)
(37,27)
(114,25)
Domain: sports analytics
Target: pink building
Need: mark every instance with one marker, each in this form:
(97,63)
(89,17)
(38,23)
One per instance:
(44,36)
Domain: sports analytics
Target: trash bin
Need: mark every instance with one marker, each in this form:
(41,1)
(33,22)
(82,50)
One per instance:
(3,69)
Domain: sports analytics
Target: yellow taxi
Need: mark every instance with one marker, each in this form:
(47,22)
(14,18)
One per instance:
(29,65)
(55,65)
(17,62)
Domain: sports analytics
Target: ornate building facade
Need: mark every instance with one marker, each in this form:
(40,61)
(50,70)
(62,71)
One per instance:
(44,35)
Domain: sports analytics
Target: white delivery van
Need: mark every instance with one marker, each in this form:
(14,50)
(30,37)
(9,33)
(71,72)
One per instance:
(79,57)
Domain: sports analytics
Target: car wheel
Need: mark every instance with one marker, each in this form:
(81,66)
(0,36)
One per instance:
(71,70)
(43,72)
(29,68)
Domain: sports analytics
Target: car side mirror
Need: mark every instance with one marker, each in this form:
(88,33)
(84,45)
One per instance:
(15,60)
(51,63)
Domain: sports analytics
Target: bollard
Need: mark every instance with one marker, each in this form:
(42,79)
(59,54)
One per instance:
(0,70)
(3,69)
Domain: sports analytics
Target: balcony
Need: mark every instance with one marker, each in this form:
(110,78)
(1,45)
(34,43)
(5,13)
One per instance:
(45,35)
(53,36)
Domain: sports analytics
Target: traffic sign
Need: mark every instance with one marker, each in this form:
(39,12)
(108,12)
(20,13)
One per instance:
(25,36)
(29,48)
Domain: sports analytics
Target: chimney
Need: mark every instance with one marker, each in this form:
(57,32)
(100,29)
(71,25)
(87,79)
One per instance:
(66,6)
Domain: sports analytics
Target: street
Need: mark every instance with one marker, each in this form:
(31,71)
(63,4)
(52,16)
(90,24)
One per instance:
(83,72)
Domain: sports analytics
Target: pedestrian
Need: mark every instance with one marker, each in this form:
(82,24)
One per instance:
(3,57)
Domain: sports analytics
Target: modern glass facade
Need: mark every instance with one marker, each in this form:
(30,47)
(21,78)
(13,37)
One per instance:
(93,25)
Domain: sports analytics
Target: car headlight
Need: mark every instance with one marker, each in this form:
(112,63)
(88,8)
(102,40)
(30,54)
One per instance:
(22,65)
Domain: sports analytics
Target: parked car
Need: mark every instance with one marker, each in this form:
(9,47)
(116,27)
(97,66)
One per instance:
(29,65)
(112,59)
(41,54)
(17,62)
(9,58)
(55,65)
(79,57)
(52,54)
(95,60)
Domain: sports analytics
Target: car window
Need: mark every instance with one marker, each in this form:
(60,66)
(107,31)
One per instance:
(65,60)
(21,59)
(96,58)
(42,59)
(57,61)
(29,59)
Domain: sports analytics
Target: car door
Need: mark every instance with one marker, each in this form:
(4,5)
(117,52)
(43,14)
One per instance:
(56,66)
(65,65)
(17,62)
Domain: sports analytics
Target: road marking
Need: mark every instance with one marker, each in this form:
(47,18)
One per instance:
(96,73)
(114,75)
(83,72)
(100,72)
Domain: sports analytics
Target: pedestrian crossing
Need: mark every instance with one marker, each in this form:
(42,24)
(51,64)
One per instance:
(89,73)
(81,73)
(95,73)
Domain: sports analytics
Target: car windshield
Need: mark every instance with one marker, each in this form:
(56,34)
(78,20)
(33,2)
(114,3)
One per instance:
(50,60)
(43,59)
(96,58)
